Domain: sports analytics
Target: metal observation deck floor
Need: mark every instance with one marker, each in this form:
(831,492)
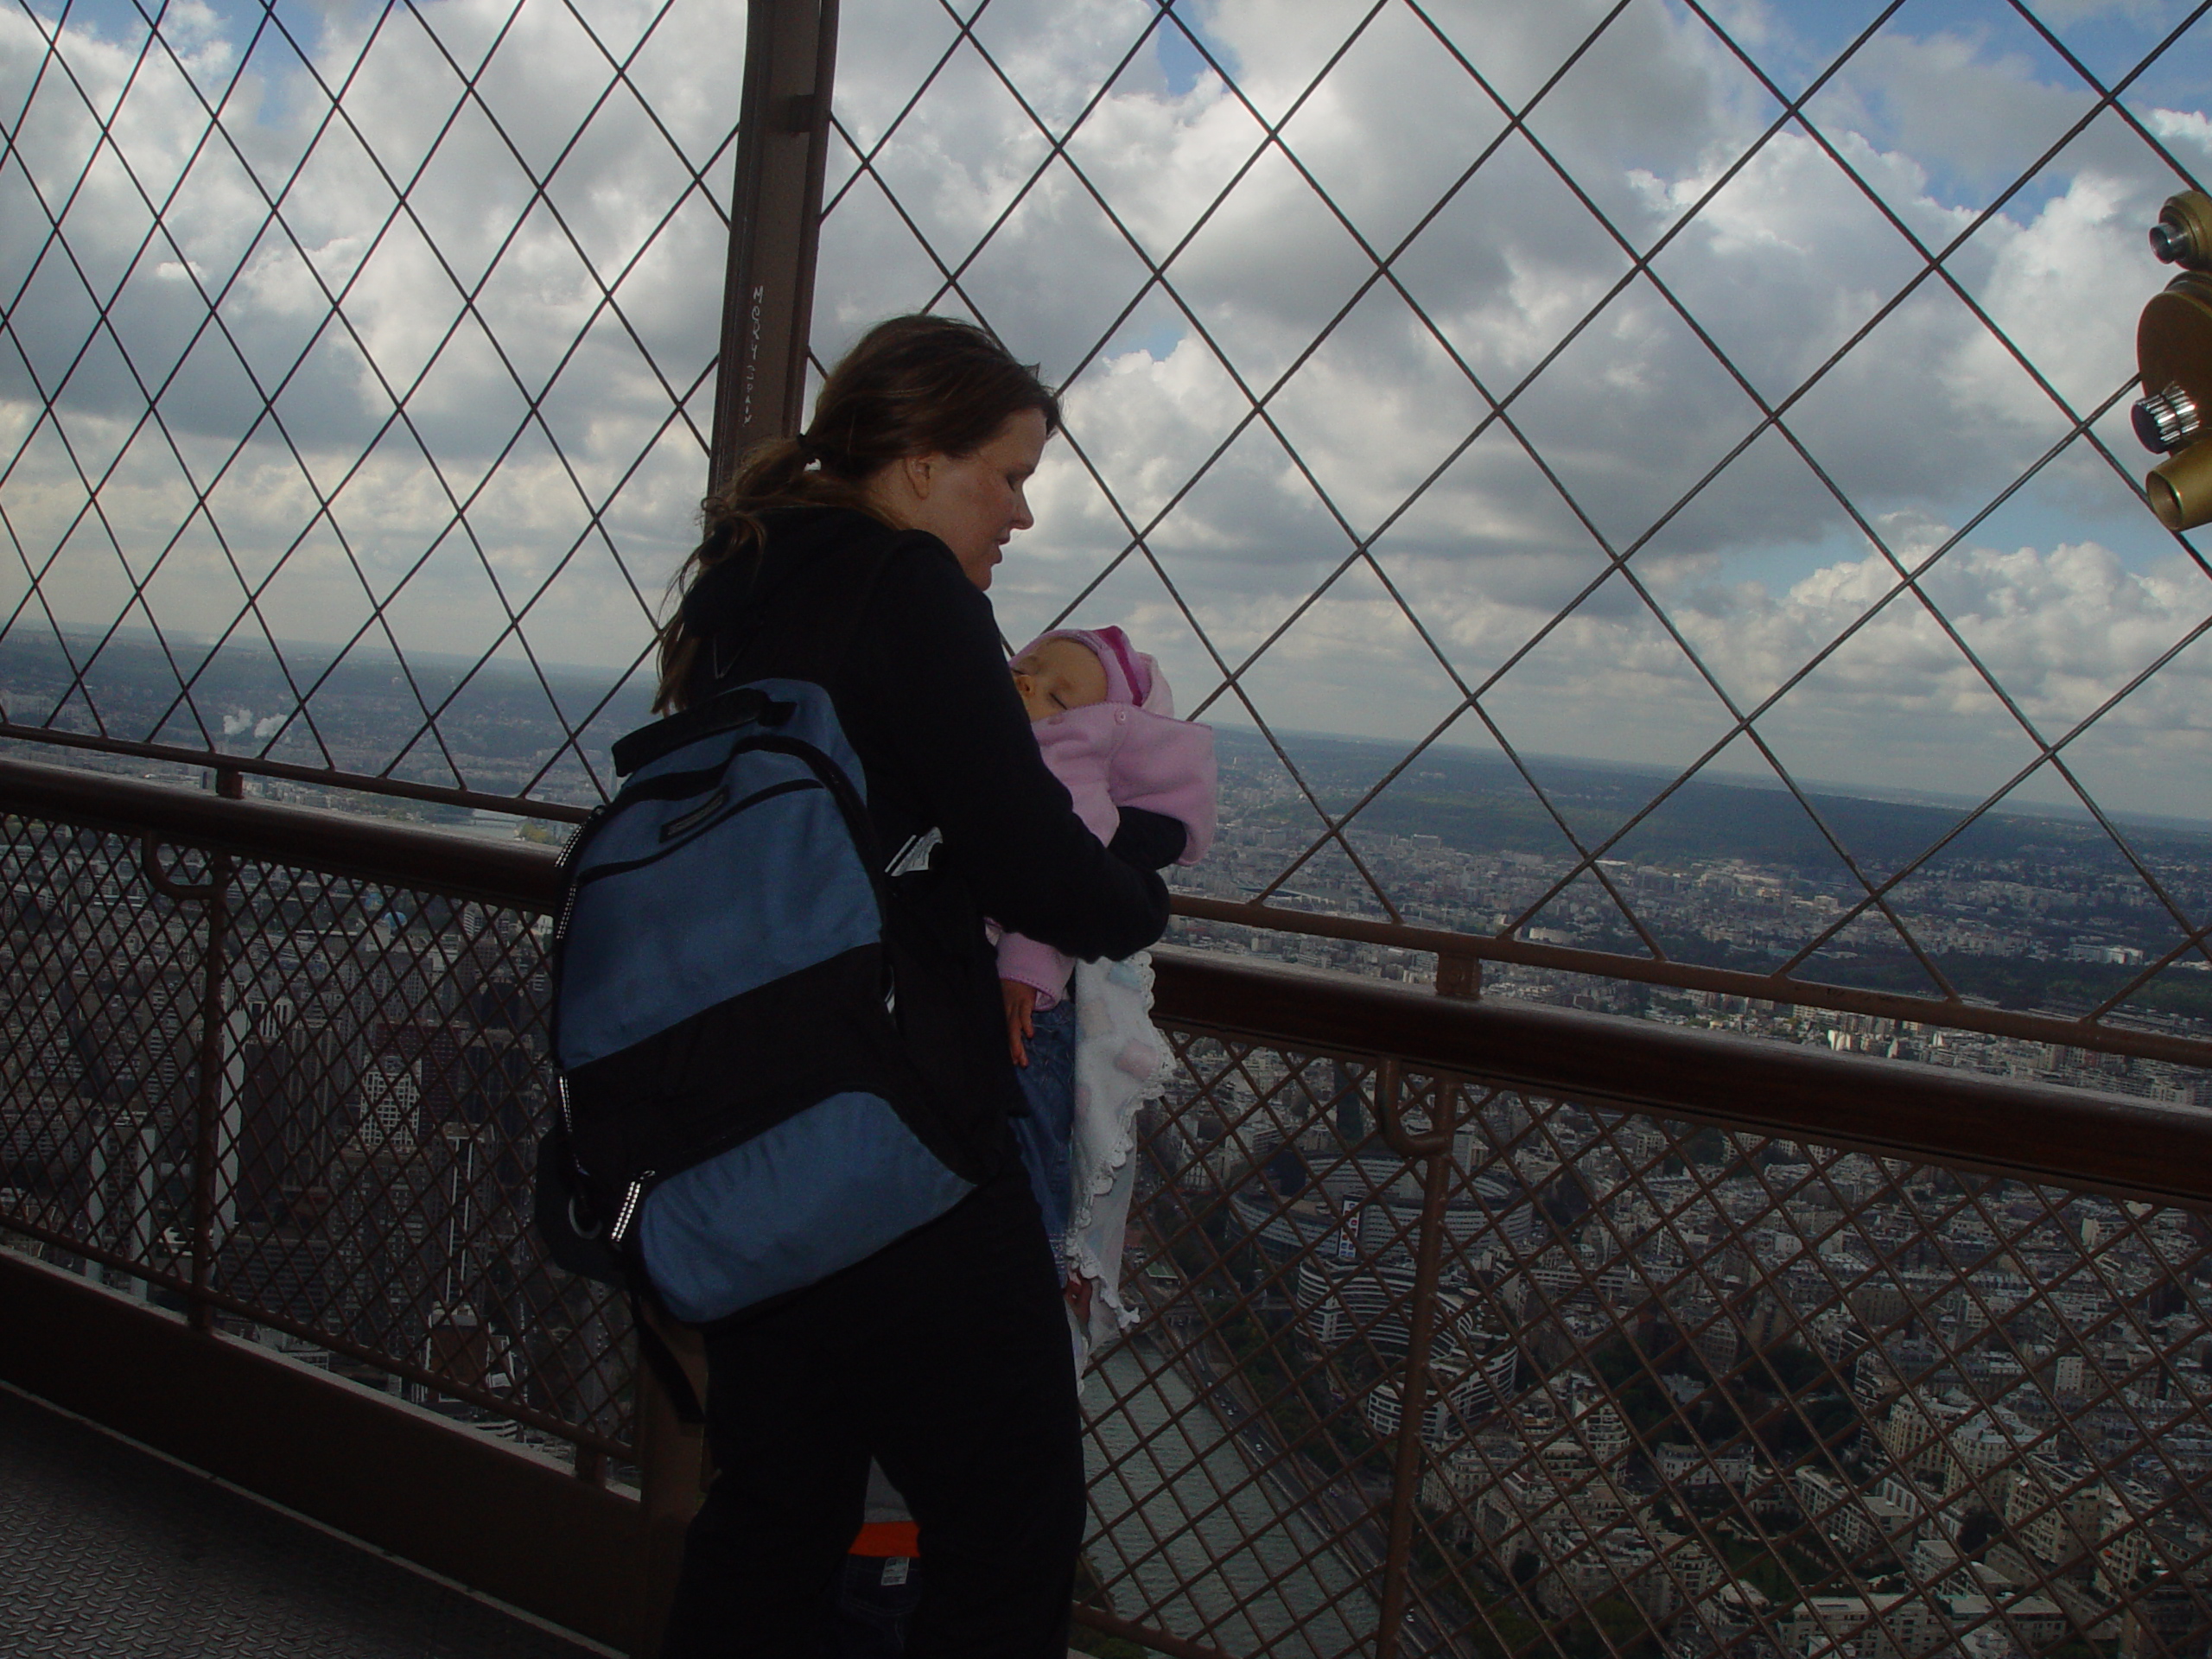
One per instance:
(112,1552)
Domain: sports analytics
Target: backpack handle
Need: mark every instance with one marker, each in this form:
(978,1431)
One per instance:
(746,706)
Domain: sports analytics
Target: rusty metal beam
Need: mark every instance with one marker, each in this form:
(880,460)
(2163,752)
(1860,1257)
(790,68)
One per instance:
(1458,956)
(1432,1151)
(359,783)
(775,221)
(337,843)
(2036,1132)
(590,1444)
(790,54)
(2070,1137)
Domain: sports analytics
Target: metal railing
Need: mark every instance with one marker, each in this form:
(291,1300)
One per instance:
(1526,1363)
(282,1084)
(1468,1327)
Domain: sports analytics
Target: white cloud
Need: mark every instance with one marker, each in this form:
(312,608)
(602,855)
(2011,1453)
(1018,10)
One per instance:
(1788,262)
(465,350)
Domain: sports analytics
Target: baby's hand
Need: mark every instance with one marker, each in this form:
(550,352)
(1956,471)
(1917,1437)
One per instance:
(1020,1001)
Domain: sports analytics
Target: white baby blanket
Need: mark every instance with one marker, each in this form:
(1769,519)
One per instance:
(1120,1063)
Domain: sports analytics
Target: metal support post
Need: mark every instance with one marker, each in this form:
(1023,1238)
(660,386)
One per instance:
(1459,976)
(1434,1148)
(791,49)
(672,1475)
(213,894)
(782,146)
(207,1150)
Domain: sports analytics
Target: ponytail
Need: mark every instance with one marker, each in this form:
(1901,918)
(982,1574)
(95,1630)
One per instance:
(914,386)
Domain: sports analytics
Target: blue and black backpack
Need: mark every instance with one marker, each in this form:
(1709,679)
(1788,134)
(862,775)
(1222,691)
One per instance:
(738,1115)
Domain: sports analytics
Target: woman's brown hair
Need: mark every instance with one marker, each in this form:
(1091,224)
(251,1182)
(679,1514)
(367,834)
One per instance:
(916,386)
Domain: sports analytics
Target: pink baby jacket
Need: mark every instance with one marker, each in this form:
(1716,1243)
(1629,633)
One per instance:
(1112,754)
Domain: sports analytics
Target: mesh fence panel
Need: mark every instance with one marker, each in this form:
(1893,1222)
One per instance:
(1645,380)
(390,328)
(1667,1384)
(345,1169)
(1677,1387)
(356,369)
(1628,380)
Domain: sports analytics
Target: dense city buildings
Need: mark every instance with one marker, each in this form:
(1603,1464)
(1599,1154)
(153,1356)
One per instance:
(2037,912)
(370,1105)
(1706,1374)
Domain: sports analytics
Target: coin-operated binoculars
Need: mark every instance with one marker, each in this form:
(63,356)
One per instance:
(2173,348)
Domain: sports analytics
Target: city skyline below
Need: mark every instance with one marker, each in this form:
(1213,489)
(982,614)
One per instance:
(2037,910)
(1719,1392)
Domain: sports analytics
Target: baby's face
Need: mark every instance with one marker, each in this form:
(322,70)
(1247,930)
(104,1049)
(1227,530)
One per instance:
(1058,675)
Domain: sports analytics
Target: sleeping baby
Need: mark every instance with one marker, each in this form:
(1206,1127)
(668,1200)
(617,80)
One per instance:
(1082,1032)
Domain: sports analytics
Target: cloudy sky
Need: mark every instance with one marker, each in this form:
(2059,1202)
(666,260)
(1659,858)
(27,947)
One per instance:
(1625,564)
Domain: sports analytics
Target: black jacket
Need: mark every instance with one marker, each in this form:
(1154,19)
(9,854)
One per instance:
(920,684)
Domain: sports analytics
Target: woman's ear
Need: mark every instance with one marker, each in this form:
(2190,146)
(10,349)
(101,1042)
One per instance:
(919,472)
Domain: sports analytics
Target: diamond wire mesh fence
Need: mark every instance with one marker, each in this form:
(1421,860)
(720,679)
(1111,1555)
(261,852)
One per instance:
(303,1106)
(358,363)
(1428,379)
(1678,1389)
(1726,398)
(1646,381)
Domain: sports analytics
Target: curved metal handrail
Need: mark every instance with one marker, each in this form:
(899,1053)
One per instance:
(2153,1149)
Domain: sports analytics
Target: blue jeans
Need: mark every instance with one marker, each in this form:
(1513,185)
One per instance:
(872,1614)
(1048,1087)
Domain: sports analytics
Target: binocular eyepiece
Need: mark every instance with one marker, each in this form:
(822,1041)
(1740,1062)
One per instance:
(2173,351)
(2182,235)
(2166,420)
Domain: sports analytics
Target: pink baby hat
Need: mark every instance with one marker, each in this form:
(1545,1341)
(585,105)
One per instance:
(1128,672)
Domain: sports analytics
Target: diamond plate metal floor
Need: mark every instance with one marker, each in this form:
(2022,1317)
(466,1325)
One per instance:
(107,1552)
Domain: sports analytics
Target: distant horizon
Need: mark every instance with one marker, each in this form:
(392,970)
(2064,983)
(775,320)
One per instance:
(1718,776)
(1725,777)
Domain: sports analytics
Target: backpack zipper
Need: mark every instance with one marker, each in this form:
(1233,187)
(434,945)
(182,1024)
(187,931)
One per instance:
(620,1230)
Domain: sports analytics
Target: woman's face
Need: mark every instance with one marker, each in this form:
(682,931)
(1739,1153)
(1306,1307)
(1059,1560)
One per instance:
(972,503)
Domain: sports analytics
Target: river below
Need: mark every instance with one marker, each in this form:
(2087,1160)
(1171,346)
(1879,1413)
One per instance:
(1251,1574)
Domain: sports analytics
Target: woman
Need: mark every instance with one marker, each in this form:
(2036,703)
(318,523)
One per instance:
(857,555)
